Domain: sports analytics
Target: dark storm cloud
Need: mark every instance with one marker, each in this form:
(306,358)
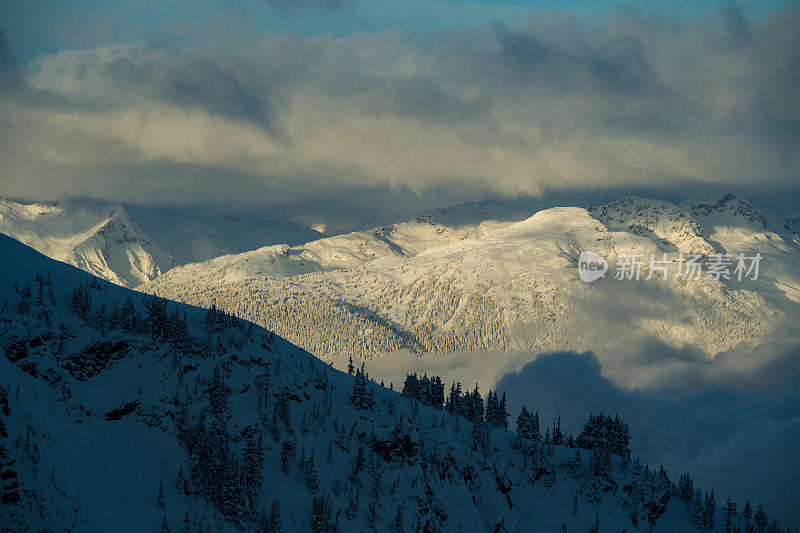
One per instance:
(617,65)
(197,81)
(7,60)
(10,80)
(731,427)
(557,104)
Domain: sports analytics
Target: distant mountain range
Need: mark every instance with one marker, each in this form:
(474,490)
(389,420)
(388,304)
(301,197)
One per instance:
(491,275)
(482,276)
(130,246)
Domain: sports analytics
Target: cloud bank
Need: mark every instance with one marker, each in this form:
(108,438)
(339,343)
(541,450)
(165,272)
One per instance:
(560,103)
(733,436)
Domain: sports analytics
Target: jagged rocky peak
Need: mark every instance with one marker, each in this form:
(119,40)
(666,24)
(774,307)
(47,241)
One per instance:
(733,205)
(120,252)
(105,241)
(120,228)
(671,227)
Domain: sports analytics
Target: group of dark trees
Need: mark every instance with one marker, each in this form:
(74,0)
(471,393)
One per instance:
(363,396)
(603,431)
(229,477)
(528,424)
(703,507)
(428,391)
(153,318)
(26,303)
(600,432)
(9,484)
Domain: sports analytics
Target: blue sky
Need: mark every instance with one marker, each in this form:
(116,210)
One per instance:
(35,27)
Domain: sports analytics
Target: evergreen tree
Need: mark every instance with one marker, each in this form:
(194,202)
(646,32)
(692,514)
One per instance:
(710,511)
(231,501)
(372,514)
(475,406)
(479,436)
(160,497)
(502,413)
(558,436)
(575,463)
(253,465)
(686,488)
(311,477)
(282,410)
(398,519)
(730,514)
(600,463)
(525,424)
(321,520)
(455,402)
(492,409)
(358,464)
(605,431)
(761,519)
(362,395)
(275,517)
(698,511)
(747,514)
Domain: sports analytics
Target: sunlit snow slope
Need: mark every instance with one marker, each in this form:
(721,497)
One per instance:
(508,285)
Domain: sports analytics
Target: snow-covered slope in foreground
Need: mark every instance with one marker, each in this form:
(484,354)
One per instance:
(516,285)
(120,412)
(105,243)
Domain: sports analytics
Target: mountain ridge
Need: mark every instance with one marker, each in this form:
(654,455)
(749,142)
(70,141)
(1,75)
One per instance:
(126,245)
(515,287)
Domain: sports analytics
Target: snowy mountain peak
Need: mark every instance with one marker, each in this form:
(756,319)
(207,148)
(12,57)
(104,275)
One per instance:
(120,252)
(732,205)
(105,243)
(671,227)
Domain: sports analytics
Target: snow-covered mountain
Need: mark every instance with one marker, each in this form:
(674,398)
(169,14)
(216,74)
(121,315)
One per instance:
(427,285)
(401,240)
(107,244)
(123,412)
(130,246)
(191,236)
